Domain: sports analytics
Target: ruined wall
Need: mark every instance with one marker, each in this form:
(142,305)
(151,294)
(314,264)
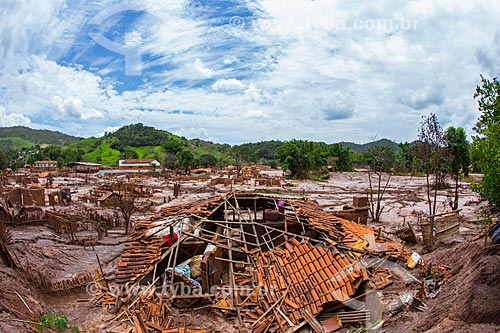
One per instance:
(27,197)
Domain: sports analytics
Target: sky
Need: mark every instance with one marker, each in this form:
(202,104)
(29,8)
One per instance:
(235,71)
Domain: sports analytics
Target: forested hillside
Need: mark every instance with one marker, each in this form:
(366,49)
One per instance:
(139,141)
(19,137)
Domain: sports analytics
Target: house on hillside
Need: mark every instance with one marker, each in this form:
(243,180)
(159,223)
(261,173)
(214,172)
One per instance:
(139,165)
(45,165)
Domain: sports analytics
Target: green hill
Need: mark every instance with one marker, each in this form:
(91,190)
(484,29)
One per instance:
(137,141)
(18,137)
(362,148)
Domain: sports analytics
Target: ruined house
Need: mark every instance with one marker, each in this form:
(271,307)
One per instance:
(274,273)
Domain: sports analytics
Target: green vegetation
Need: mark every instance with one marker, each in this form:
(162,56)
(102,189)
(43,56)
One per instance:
(4,160)
(185,160)
(139,141)
(14,143)
(206,160)
(31,137)
(265,151)
(363,148)
(304,159)
(459,157)
(103,154)
(49,322)
(299,158)
(486,145)
(407,159)
(147,151)
(56,322)
(138,135)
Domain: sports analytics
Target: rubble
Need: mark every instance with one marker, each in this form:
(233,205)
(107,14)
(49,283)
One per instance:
(238,261)
(270,275)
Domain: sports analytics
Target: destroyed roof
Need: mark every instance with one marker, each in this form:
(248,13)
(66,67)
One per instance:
(284,279)
(142,252)
(303,278)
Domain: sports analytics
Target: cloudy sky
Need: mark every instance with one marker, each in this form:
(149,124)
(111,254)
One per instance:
(234,71)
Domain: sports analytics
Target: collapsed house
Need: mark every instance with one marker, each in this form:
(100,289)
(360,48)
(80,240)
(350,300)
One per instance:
(274,264)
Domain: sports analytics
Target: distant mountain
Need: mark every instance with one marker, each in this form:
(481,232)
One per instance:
(18,137)
(362,148)
(139,141)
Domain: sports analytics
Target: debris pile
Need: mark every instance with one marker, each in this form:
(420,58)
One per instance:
(144,312)
(272,264)
(300,279)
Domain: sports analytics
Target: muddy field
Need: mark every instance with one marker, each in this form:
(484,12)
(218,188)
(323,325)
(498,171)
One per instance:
(469,300)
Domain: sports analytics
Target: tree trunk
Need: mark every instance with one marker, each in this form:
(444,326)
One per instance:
(455,202)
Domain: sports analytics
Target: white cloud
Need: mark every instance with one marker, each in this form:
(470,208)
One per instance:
(228,85)
(199,69)
(300,63)
(424,97)
(257,95)
(259,114)
(74,108)
(12,119)
(133,39)
(73,94)
(109,129)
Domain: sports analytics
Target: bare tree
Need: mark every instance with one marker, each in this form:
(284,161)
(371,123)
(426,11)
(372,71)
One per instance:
(381,160)
(126,201)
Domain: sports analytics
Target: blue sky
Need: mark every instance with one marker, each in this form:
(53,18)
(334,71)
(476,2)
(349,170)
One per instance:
(233,71)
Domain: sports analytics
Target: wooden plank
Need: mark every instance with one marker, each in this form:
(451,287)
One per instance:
(137,324)
(315,325)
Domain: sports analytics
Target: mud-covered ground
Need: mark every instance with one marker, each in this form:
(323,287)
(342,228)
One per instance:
(468,301)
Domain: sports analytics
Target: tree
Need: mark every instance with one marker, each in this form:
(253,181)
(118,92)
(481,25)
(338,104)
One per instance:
(138,135)
(60,162)
(458,153)
(403,158)
(185,160)
(381,160)
(172,145)
(4,160)
(52,152)
(169,161)
(72,155)
(486,145)
(207,160)
(343,157)
(264,150)
(126,204)
(295,157)
(305,158)
(129,153)
(431,152)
